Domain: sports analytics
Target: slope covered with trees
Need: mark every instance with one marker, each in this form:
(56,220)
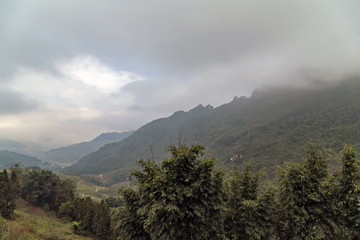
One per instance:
(44,189)
(271,126)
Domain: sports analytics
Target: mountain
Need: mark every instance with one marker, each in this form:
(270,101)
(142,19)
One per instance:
(9,159)
(72,153)
(24,148)
(269,127)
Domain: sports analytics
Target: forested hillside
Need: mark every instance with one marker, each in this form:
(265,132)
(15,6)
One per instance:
(270,126)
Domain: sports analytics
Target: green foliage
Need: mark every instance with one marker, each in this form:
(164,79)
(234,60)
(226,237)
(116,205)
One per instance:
(307,202)
(3,229)
(93,217)
(181,198)
(8,192)
(248,217)
(349,193)
(43,188)
(127,222)
(114,202)
(66,210)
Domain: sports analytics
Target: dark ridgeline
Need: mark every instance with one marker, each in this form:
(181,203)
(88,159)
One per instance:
(271,127)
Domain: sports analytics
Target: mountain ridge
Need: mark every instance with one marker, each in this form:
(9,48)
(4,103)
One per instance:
(270,127)
(73,152)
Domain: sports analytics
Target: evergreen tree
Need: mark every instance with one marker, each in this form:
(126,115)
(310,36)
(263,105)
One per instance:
(182,198)
(303,198)
(247,217)
(66,210)
(7,195)
(127,223)
(349,194)
(102,221)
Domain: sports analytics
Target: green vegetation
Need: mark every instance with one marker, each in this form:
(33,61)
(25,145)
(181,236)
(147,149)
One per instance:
(42,188)
(33,223)
(270,127)
(185,197)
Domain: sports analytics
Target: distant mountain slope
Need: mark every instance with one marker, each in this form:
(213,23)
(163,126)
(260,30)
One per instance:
(8,159)
(269,127)
(24,148)
(74,152)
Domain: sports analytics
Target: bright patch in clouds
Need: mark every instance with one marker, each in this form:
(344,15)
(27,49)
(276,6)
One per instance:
(81,81)
(79,91)
(92,72)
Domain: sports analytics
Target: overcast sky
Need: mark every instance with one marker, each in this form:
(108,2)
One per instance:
(72,69)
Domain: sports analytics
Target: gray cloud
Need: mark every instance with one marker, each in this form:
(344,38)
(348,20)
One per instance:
(12,103)
(190,52)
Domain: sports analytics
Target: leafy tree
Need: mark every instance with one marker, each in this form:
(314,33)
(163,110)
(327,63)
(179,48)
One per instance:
(66,210)
(127,223)
(349,194)
(7,194)
(303,198)
(43,188)
(247,217)
(181,198)
(114,202)
(102,220)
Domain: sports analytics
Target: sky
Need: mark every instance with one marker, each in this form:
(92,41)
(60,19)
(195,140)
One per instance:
(73,69)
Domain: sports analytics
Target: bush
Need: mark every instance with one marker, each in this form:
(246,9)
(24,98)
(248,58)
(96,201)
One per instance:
(67,210)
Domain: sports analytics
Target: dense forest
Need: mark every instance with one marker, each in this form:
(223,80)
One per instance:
(185,197)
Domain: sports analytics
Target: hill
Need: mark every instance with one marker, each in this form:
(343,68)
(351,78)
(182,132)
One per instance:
(8,159)
(72,153)
(270,127)
(31,222)
(20,147)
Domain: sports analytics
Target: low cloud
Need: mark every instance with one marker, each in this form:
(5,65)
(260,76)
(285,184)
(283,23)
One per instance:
(13,103)
(119,64)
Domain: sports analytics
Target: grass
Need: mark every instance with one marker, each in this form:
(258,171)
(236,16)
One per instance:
(31,223)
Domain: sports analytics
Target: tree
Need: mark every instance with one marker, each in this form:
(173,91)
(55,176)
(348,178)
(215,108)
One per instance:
(66,210)
(349,194)
(303,199)
(103,220)
(247,217)
(8,193)
(181,198)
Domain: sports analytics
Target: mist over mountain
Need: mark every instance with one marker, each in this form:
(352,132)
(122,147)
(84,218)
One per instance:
(26,148)
(9,159)
(74,152)
(270,127)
